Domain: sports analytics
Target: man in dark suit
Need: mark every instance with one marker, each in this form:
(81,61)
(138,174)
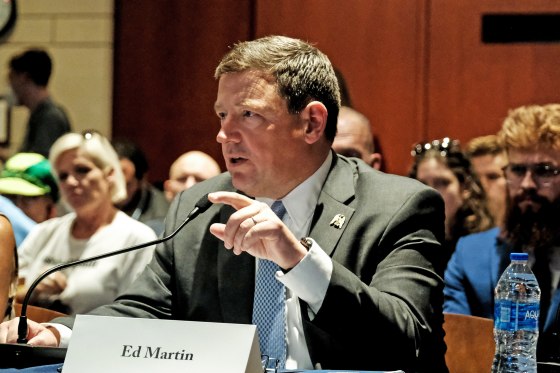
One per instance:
(363,287)
(531,137)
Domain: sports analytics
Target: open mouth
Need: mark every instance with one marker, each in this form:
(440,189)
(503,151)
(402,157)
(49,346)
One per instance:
(237,160)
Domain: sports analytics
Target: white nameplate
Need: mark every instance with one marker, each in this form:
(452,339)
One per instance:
(120,344)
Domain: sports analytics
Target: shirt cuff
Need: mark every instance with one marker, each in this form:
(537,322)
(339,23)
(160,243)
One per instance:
(315,268)
(65,333)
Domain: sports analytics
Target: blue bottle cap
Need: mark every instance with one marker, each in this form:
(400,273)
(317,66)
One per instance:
(519,256)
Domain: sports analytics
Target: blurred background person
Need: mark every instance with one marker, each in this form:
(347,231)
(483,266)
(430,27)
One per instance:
(29,74)
(144,202)
(91,181)
(188,169)
(28,181)
(442,165)
(8,268)
(21,223)
(354,137)
(488,159)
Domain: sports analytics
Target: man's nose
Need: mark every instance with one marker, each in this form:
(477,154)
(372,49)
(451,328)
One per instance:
(228,132)
(528,181)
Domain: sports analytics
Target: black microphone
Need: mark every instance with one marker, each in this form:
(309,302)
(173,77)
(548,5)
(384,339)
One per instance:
(201,206)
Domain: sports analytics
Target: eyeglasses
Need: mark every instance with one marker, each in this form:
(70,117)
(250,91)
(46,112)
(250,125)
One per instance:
(542,173)
(445,146)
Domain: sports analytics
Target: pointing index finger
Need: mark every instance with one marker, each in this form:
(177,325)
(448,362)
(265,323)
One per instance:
(236,200)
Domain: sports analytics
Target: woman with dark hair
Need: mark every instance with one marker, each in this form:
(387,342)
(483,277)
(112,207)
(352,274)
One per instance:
(442,165)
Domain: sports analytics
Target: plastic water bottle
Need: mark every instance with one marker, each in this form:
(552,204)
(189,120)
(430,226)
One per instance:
(516,318)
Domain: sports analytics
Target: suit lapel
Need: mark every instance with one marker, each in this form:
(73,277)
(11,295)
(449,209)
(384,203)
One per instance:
(499,261)
(333,213)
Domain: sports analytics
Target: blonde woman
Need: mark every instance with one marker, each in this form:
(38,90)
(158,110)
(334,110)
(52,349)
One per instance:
(91,182)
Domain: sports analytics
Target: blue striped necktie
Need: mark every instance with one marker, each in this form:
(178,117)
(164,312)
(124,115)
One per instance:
(269,305)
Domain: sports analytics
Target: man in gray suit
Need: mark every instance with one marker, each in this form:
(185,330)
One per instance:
(363,287)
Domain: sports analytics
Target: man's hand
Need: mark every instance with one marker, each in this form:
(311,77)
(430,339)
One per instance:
(37,334)
(255,229)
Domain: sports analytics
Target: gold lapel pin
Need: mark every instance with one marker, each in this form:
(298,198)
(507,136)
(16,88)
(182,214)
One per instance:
(338,221)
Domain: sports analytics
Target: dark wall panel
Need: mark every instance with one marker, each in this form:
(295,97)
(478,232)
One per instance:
(472,84)
(165,56)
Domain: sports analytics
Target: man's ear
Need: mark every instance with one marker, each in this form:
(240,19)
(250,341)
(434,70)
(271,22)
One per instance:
(376,160)
(315,116)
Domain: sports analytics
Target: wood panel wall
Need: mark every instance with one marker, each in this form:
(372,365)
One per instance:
(471,84)
(418,69)
(165,56)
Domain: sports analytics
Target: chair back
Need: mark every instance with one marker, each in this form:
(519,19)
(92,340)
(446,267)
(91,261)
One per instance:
(38,314)
(470,343)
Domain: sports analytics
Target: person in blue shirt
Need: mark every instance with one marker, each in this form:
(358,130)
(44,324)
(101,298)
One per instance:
(21,223)
(531,136)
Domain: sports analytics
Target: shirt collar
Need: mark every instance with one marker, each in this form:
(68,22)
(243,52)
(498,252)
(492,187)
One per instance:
(301,201)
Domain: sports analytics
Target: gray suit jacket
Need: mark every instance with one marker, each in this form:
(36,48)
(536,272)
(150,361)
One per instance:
(383,307)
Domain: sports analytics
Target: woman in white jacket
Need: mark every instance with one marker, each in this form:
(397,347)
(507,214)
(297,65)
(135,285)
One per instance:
(91,182)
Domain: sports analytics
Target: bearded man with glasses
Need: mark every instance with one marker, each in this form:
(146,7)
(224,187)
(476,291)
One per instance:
(531,137)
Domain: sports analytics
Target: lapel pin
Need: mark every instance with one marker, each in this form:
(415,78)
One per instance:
(338,221)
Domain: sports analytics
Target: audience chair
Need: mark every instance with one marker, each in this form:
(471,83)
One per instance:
(38,314)
(470,343)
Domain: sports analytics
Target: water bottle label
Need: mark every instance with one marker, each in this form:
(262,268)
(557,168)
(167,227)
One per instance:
(511,316)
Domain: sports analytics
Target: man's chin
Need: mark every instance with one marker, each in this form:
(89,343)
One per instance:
(532,222)
(529,206)
(242,183)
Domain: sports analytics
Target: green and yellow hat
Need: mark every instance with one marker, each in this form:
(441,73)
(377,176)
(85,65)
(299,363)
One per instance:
(28,174)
